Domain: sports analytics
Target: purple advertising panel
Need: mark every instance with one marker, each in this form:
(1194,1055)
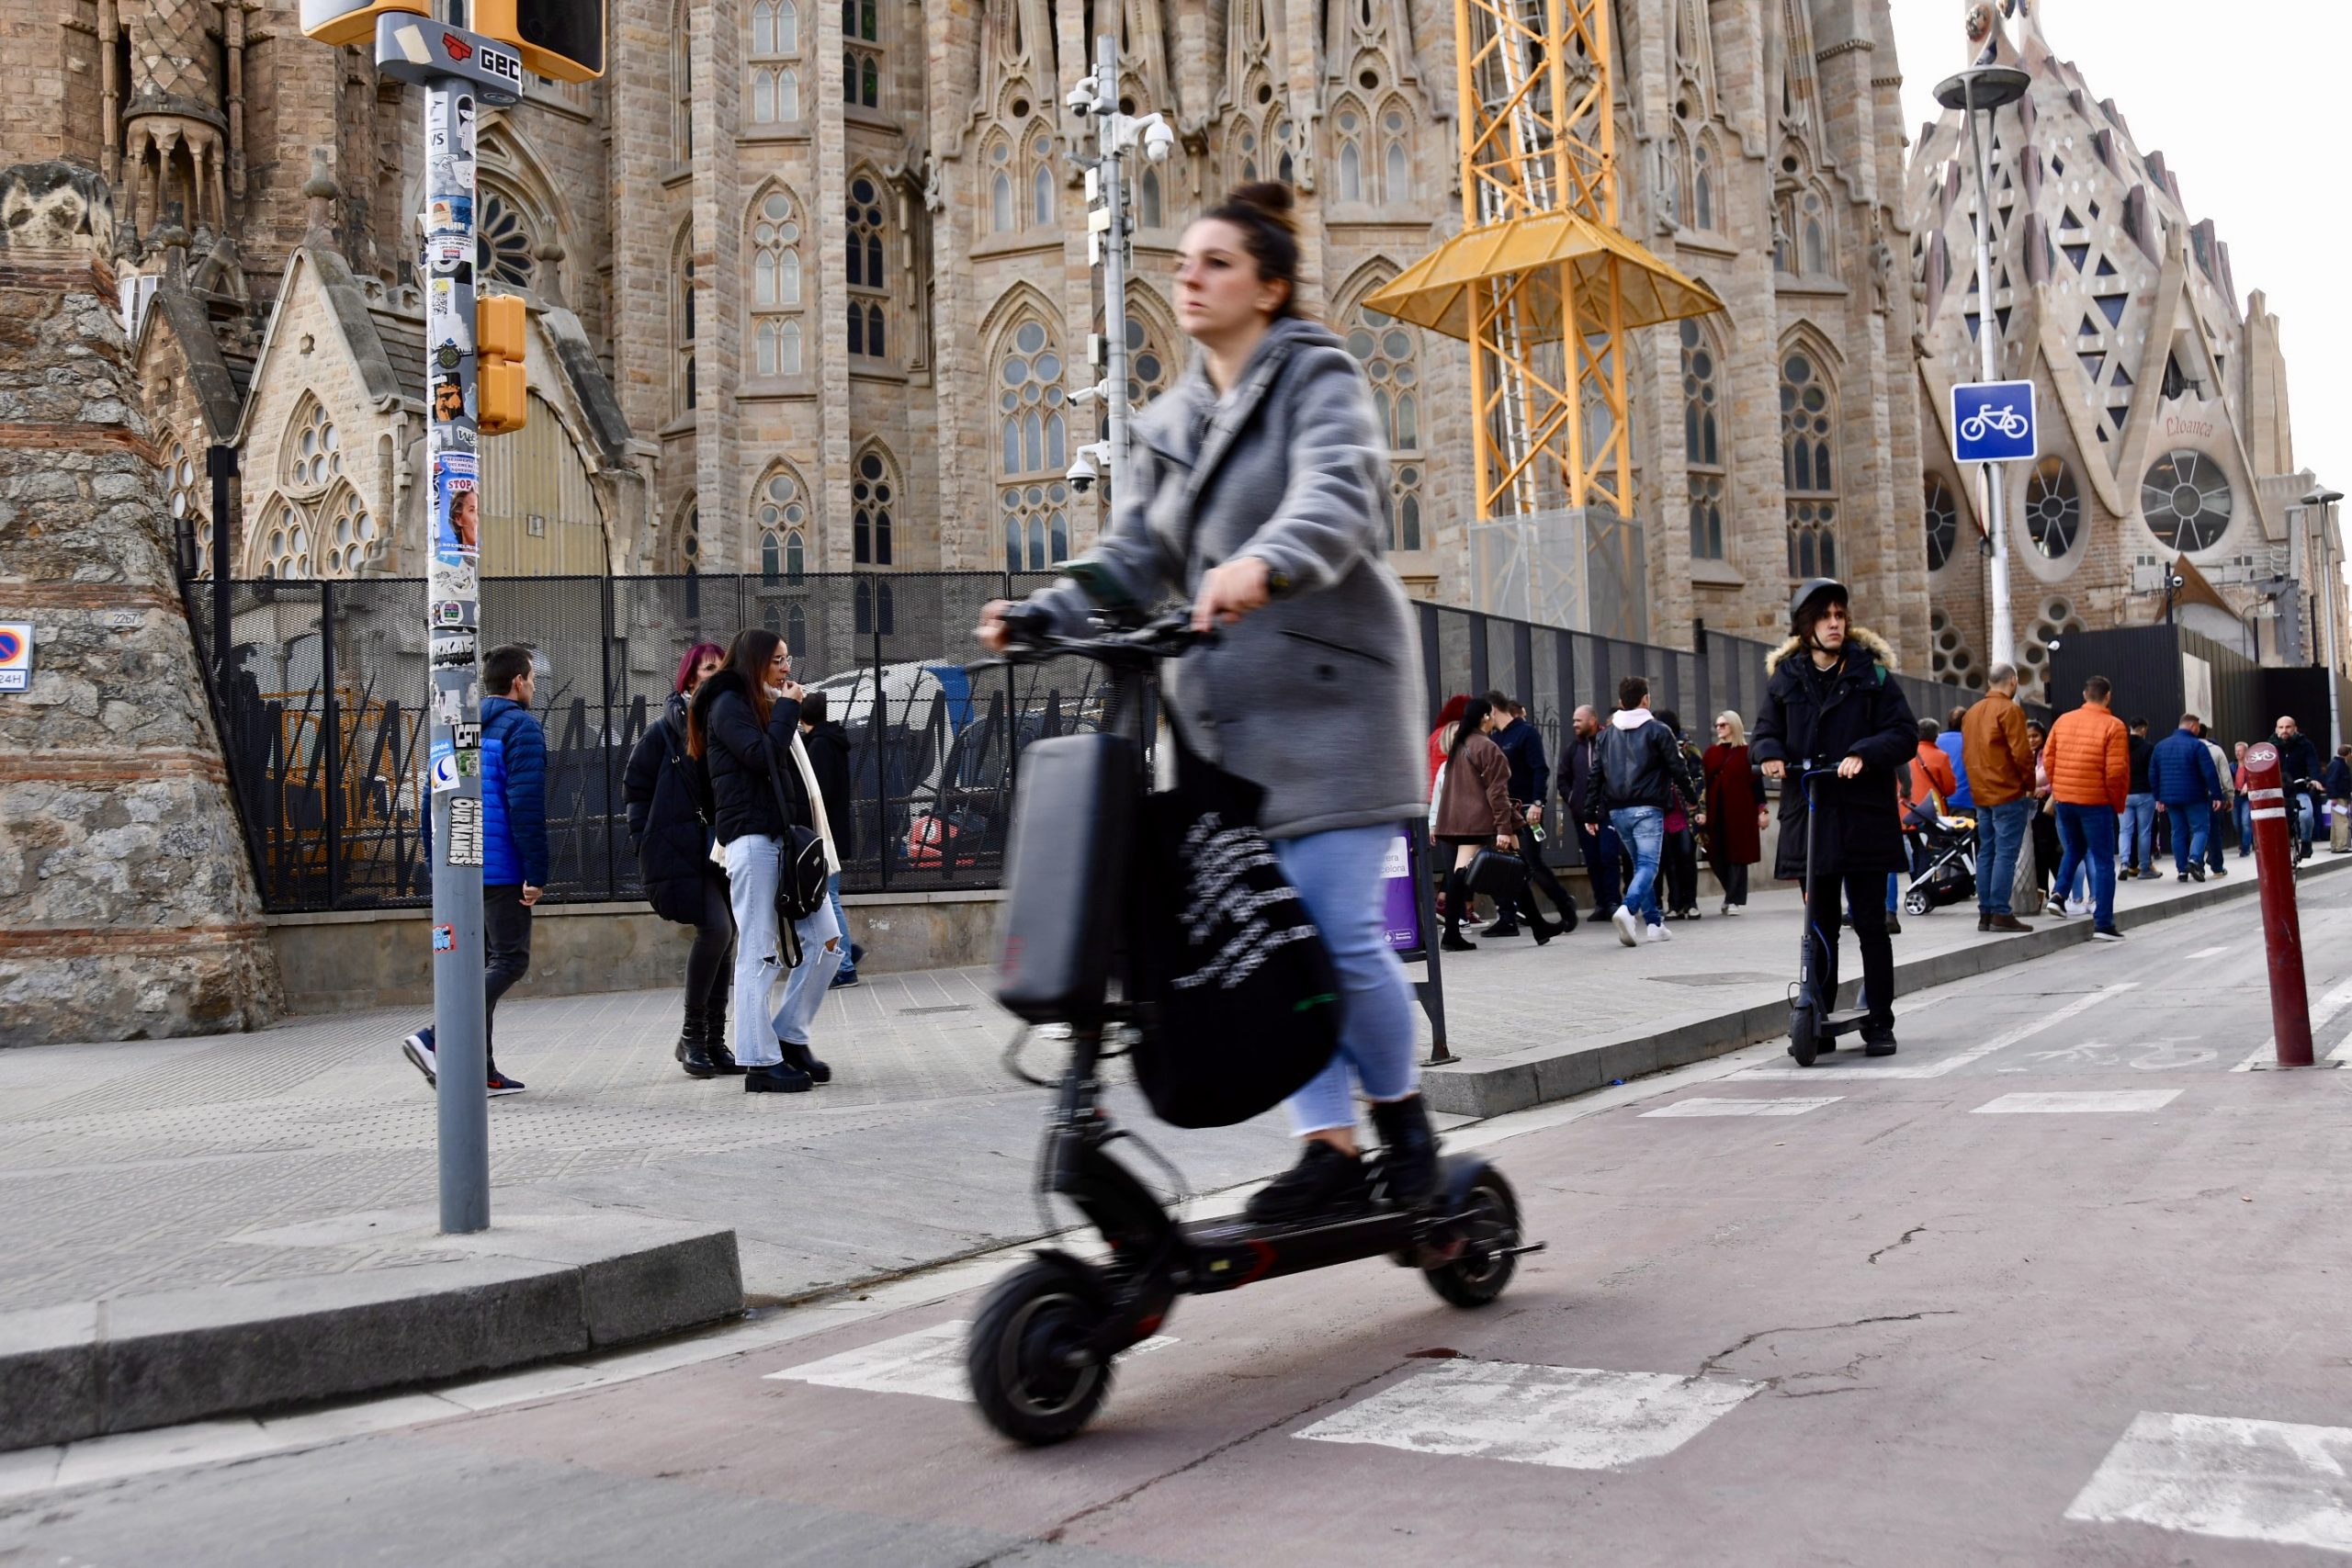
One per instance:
(1401,894)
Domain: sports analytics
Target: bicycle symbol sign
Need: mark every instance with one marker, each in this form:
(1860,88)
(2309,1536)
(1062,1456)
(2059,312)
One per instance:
(1993,422)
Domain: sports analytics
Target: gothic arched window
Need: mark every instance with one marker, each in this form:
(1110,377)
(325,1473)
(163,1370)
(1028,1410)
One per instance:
(873,492)
(775,42)
(780,518)
(189,508)
(1396,153)
(1041,183)
(868,276)
(689,535)
(1389,352)
(282,544)
(1808,466)
(1702,184)
(1702,445)
(1813,234)
(503,240)
(681,82)
(775,286)
(1350,135)
(349,533)
(1033,450)
(2053,507)
(681,316)
(861,54)
(1281,139)
(1000,213)
(311,457)
(1149,367)
(1943,522)
(1154,215)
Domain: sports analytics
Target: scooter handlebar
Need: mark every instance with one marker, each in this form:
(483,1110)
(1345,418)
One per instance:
(1165,637)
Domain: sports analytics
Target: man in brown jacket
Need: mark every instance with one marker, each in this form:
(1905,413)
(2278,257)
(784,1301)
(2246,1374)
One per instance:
(2088,758)
(2000,775)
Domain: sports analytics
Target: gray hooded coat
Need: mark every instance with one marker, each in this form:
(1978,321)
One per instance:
(1315,698)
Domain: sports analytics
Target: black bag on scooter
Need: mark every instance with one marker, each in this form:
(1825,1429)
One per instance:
(1244,1005)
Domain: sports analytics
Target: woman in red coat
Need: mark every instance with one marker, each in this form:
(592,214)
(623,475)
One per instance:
(1736,811)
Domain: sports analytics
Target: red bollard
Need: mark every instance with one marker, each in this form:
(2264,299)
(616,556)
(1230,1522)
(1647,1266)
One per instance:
(2282,934)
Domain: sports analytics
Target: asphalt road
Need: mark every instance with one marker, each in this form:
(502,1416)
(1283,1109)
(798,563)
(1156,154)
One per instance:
(2055,1285)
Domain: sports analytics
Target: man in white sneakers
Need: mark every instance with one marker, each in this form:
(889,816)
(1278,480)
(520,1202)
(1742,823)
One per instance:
(1640,774)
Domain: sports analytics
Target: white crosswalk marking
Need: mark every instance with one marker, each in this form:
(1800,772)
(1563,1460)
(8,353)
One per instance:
(930,1363)
(1953,1063)
(2326,1007)
(2221,1475)
(1571,1417)
(2214,952)
(2063,1102)
(1782,1107)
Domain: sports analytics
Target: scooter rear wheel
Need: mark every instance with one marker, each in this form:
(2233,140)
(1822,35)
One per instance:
(1489,1221)
(1015,1358)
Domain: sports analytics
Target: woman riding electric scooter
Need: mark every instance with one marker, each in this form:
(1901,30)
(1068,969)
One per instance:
(1256,493)
(1831,708)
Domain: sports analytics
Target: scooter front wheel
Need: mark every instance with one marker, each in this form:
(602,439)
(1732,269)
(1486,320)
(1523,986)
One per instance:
(1804,1036)
(1487,1222)
(1017,1358)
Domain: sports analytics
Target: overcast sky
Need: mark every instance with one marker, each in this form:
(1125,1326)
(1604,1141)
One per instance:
(2248,102)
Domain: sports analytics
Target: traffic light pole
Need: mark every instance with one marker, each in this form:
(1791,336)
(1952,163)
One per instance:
(453,598)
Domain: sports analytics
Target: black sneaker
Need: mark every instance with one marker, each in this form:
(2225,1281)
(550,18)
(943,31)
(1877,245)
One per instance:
(1324,1182)
(781,1079)
(843,980)
(418,1049)
(2106,933)
(1878,1040)
(1501,928)
(1452,944)
(500,1084)
(2197,874)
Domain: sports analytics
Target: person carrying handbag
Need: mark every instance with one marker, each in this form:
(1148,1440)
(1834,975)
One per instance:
(670,820)
(746,730)
(1473,812)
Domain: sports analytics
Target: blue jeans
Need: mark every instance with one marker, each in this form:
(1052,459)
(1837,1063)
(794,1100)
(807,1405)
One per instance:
(2245,826)
(841,922)
(1642,828)
(1338,877)
(2192,823)
(2139,832)
(2213,816)
(754,865)
(2000,834)
(2087,835)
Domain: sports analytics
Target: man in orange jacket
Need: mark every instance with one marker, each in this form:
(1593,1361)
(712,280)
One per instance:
(2088,756)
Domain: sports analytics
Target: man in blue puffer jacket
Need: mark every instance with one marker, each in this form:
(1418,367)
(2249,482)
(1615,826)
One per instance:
(514,845)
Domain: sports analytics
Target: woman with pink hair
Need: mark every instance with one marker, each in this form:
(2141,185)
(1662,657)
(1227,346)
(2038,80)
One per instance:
(670,817)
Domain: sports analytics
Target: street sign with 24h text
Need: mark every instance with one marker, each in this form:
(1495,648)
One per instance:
(1993,422)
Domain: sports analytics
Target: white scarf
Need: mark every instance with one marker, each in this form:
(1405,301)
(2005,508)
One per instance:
(815,806)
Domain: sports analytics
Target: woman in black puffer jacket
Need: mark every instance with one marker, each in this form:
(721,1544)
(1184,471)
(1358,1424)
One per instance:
(670,818)
(745,726)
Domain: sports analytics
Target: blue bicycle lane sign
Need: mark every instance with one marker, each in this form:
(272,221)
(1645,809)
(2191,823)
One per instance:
(1993,422)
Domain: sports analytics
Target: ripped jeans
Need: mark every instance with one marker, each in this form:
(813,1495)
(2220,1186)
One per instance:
(753,864)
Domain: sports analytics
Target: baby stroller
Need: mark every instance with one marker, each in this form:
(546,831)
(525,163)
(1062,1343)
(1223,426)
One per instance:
(1948,861)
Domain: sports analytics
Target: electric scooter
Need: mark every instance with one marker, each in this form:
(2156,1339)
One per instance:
(1814,1027)
(1039,1355)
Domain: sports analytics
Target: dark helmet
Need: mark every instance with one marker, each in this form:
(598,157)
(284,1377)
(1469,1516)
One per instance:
(1811,596)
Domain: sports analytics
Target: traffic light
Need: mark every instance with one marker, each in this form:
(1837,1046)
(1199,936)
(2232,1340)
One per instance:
(352,21)
(501,393)
(563,38)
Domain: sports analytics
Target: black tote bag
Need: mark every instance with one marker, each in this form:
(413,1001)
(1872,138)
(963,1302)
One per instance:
(1243,1004)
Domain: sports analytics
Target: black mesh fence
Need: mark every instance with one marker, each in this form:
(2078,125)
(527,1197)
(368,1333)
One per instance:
(323,713)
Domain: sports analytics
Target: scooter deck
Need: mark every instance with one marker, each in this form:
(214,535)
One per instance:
(1232,1250)
(1843,1022)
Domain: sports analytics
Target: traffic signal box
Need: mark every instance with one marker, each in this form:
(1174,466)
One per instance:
(561,39)
(352,21)
(501,394)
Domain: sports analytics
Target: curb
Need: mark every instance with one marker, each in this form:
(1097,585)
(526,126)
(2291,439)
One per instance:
(1539,1077)
(532,1289)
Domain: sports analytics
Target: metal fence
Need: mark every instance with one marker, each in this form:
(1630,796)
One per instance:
(322,713)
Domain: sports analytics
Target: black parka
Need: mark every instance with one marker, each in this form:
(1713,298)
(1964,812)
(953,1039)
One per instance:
(670,810)
(1853,709)
(741,758)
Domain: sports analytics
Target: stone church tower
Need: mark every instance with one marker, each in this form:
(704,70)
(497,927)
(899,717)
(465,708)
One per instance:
(2163,399)
(809,277)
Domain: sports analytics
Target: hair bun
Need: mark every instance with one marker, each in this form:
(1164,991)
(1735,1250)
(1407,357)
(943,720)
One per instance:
(1272,197)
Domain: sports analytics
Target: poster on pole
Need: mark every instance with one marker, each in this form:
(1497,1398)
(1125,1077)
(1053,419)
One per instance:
(1400,893)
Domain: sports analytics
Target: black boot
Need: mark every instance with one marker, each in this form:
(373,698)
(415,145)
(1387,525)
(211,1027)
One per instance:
(1878,1038)
(1324,1182)
(693,1049)
(714,1041)
(782,1078)
(799,1056)
(1408,1151)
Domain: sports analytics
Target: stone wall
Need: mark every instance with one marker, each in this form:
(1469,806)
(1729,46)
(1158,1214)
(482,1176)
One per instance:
(130,909)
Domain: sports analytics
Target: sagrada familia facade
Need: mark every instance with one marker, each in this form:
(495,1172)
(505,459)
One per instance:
(809,279)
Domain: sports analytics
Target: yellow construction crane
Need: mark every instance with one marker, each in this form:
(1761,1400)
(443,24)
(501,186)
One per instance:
(1541,282)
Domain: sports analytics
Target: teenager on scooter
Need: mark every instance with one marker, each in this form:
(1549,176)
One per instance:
(1831,704)
(1256,494)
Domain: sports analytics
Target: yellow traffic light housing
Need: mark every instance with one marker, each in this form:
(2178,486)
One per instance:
(352,21)
(563,38)
(501,393)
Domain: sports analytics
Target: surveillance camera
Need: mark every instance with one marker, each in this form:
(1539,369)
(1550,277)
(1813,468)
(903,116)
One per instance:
(1158,139)
(1082,472)
(1081,96)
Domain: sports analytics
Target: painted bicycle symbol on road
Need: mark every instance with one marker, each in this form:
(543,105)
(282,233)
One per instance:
(2004,421)
(2162,1055)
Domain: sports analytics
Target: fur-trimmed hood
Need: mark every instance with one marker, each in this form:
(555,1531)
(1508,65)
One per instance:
(1863,638)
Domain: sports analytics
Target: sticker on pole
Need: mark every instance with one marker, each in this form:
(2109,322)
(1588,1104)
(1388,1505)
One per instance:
(465,832)
(445,939)
(443,768)
(16,656)
(1992,422)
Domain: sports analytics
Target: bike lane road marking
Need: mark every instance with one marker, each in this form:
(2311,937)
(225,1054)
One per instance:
(2222,1475)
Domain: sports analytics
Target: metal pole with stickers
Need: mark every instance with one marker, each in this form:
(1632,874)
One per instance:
(461,73)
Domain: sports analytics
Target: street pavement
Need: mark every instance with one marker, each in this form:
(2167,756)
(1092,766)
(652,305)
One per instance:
(2055,1285)
(131,1169)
